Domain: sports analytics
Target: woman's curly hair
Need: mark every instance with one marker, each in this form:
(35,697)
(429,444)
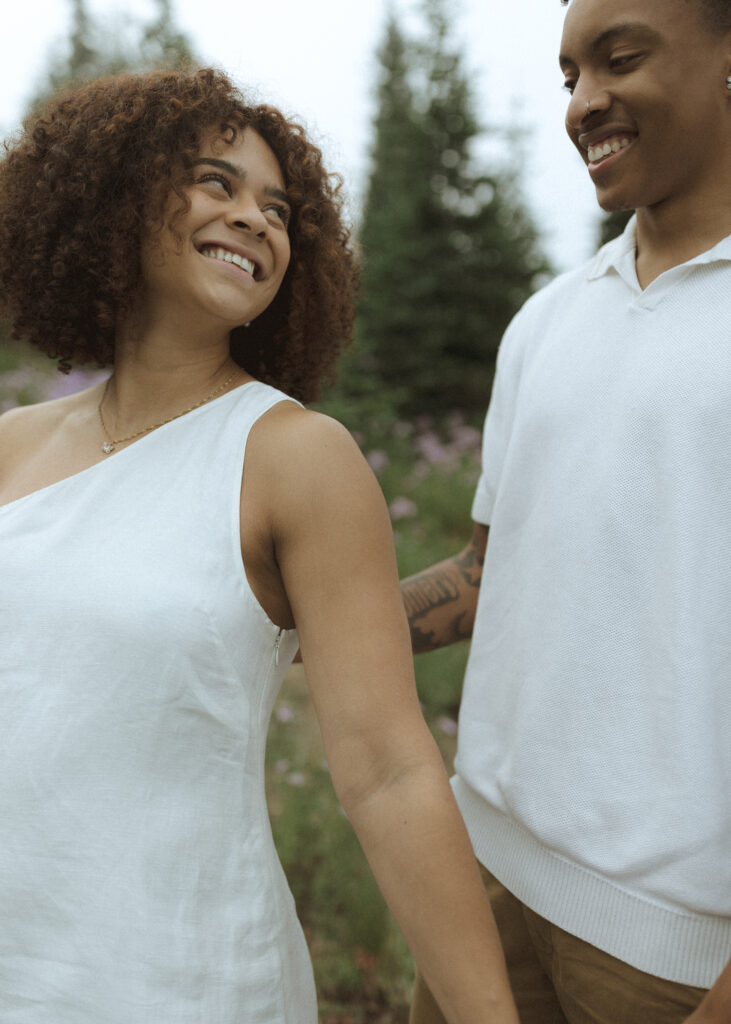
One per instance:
(91,173)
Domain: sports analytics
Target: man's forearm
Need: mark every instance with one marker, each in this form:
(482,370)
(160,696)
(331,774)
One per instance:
(441,601)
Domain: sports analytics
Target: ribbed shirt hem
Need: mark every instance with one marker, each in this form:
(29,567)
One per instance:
(691,949)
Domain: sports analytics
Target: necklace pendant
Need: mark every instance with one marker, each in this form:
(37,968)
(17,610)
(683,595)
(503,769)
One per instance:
(107,447)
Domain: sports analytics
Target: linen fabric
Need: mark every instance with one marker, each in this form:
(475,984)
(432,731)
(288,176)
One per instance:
(138,876)
(594,762)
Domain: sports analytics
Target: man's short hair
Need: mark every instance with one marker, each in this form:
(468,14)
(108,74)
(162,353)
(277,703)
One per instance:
(715,13)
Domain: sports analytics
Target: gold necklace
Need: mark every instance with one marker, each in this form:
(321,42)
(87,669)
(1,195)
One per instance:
(111,443)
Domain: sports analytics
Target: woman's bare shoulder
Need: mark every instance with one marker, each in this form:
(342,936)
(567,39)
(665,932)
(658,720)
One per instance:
(25,428)
(23,418)
(42,414)
(309,467)
(303,441)
(20,429)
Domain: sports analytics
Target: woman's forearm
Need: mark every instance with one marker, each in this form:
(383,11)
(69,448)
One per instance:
(417,846)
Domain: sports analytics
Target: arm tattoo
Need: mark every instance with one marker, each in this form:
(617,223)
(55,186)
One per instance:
(423,594)
(421,641)
(470,563)
(429,590)
(437,587)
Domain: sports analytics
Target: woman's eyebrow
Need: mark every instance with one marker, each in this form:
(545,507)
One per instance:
(224,165)
(240,173)
(277,193)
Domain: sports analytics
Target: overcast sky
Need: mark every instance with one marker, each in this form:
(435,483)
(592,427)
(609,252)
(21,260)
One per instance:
(315,59)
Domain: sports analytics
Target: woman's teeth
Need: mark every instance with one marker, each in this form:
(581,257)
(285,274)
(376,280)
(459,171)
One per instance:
(229,257)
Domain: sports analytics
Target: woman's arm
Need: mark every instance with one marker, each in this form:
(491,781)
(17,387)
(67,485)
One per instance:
(333,543)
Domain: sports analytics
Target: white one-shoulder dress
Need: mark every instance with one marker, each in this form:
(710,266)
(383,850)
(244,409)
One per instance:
(139,883)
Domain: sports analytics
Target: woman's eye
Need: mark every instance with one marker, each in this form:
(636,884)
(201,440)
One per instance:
(216,179)
(569,87)
(280,212)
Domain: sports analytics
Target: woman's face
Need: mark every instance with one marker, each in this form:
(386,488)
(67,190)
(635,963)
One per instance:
(223,259)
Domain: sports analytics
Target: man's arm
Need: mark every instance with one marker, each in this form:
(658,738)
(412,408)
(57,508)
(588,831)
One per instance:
(716,1007)
(441,601)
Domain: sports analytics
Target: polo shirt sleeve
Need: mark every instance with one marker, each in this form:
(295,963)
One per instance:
(501,414)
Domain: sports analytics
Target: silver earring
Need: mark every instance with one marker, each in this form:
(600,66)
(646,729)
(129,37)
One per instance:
(588,107)
(728,81)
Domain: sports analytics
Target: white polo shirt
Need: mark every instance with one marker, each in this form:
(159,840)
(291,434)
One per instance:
(594,762)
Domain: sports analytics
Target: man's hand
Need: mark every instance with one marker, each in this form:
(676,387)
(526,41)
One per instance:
(716,1007)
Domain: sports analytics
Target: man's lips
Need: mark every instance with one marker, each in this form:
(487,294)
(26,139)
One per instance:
(605,148)
(604,141)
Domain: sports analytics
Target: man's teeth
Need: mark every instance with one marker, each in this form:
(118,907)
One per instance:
(230,257)
(601,152)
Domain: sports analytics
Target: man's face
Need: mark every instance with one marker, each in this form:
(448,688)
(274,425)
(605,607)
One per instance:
(658,125)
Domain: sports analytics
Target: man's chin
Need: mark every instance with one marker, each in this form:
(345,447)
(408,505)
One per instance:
(613,203)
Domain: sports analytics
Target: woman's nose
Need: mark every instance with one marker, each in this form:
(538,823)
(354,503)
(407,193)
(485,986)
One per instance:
(246,215)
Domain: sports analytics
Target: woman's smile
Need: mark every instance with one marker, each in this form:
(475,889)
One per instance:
(227,256)
(236,221)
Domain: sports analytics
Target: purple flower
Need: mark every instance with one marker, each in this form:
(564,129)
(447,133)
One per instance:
(420,469)
(284,714)
(402,508)
(69,383)
(432,448)
(377,460)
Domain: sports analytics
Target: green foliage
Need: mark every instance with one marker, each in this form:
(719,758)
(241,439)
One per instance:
(449,251)
(97,47)
(428,470)
(25,375)
(29,378)
(613,224)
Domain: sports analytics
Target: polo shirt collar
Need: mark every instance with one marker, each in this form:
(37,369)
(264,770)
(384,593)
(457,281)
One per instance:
(619,255)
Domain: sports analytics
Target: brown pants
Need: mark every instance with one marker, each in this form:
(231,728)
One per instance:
(558,979)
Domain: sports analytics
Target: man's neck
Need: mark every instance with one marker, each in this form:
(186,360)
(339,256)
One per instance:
(669,236)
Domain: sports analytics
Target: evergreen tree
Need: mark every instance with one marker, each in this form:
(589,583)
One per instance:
(98,47)
(387,239)
(449,251)
(613,224)
(95,47)
(163,44)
